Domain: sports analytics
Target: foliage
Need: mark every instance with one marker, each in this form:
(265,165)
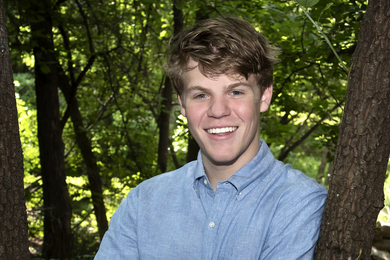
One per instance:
(25,99)
(120,96)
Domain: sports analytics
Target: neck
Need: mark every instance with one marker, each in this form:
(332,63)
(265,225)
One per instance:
(218,173)
(221,172)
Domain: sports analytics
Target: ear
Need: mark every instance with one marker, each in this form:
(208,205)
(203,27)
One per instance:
(266,99)
(182,106)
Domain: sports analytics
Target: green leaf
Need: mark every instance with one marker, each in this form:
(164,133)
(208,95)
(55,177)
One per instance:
(308,3)
(326,8)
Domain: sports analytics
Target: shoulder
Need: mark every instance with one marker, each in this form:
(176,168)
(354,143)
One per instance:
(292,180)
(293,192)
(280,178)
(297,212)
(298,196)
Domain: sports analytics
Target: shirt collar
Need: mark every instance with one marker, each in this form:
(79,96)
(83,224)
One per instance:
(199,168)
(251,172)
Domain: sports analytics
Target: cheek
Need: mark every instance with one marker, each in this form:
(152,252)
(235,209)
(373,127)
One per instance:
(248,112)
(196,108)
(193,114)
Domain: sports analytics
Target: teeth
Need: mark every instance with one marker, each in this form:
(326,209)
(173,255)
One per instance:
(221,130)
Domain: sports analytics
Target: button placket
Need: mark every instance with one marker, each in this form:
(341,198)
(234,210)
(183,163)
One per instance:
(221,200)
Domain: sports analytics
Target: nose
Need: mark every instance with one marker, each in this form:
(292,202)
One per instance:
(219,107)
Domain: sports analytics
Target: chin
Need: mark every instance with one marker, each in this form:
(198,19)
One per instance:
(223,160)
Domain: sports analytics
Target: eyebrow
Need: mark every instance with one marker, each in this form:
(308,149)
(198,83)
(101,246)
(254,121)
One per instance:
(238,84)
(196,88)
(231,86)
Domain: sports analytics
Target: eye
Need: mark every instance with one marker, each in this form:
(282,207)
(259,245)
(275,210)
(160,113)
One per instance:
(236,93)
(199,96)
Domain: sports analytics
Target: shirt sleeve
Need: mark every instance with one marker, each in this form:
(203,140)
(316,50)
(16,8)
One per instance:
(120,240)
(295,227)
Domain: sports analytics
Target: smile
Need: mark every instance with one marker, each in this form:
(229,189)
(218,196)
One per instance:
(222,130)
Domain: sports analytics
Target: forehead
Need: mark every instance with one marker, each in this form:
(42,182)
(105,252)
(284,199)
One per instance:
(195,77)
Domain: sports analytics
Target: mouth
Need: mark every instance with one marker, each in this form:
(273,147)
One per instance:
(222,130)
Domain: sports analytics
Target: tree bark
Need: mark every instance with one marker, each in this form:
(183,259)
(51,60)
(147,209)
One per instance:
(57,204)
(356,186)
(13,217)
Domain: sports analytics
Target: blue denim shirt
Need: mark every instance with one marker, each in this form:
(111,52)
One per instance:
(266,210)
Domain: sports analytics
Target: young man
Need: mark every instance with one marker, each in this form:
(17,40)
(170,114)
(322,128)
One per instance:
(236,201)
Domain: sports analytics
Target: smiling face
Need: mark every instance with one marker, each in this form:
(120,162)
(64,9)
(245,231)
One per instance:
(223,116)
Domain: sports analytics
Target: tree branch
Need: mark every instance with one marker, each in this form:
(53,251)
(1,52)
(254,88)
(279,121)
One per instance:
(284,154)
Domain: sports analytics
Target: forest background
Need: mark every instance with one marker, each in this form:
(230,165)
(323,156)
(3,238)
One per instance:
(119,119)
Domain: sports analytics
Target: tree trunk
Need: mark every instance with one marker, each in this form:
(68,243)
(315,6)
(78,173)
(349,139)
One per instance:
(166,105)
(13,217)
(163,125)
(57,241)
(356,186)
(84,143)
(93,172)
(95,182)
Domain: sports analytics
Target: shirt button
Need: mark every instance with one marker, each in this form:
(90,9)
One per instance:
(205,182)
(240,193)
(211,224)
